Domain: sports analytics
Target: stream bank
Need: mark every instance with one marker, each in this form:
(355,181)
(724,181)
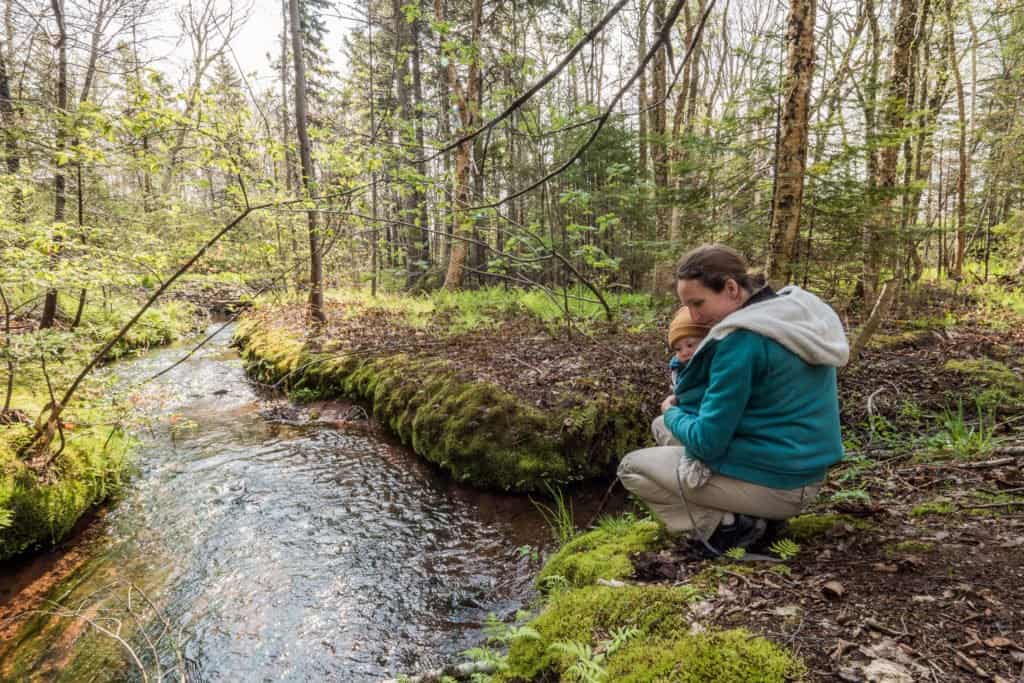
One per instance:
(258,540)
(38,510)
(557,409)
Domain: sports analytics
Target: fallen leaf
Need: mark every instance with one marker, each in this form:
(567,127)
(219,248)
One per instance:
(833,590)
(887,671)
(786,611)
(883,567)
(999,642)
(923,598)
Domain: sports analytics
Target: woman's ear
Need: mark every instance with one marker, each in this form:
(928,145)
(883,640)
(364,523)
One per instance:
(732,288)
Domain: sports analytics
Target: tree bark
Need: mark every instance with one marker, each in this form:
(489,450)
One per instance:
(59,180)
(316,274)
(466,100)
(12,159)
(659,125)
(791,153)
(957,268)
(642,91)
(870,234)
(413,201)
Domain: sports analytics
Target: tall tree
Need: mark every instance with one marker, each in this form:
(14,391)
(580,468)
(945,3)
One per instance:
(316,268)
(467,102)
(60,147)
(963,166)
(791,152)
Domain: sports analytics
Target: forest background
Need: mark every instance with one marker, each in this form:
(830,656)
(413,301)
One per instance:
(840,145)
(466,215)
(867,151)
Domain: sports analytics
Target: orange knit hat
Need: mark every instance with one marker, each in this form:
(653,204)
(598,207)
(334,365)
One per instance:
(683,326)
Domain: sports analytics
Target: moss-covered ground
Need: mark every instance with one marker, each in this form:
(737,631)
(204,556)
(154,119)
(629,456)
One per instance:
(505,403)
(39,509)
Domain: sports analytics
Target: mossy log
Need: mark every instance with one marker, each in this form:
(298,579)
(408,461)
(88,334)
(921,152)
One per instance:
(477,431)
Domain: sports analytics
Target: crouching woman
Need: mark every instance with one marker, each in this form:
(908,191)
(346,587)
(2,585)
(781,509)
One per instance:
(767,428)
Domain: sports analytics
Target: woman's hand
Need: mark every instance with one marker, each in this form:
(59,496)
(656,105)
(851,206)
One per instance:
(668,403)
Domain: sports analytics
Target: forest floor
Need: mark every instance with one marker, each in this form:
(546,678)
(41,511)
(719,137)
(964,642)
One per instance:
(918,575)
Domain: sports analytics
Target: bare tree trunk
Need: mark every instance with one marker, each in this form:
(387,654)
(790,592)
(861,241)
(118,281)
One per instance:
(289,161)
(957,268)
(316,273)
(466,99)
(411,199)
(894,114)
(12,160)
(59,181)
(659,125)
(642,89)
(421,243)
(871,233)
(791,153)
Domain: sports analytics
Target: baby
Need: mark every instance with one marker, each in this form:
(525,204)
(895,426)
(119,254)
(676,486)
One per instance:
(684,337)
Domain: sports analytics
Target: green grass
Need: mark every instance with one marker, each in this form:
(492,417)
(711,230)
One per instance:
(963,438)
(472,309)
(558,515)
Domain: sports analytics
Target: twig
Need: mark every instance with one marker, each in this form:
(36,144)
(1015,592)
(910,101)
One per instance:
(984,506)
(873,623)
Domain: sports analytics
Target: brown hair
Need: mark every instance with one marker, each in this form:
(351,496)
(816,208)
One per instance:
(714,265)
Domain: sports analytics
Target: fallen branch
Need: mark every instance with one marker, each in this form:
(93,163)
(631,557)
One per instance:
(987,464)
(984,506)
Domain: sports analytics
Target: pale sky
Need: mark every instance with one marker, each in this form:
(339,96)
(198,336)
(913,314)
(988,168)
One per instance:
(259,36)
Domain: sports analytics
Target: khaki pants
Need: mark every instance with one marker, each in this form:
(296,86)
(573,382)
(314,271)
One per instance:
(662,435)
(650,474)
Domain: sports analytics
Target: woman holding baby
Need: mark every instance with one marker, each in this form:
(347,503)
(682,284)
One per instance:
(752,426)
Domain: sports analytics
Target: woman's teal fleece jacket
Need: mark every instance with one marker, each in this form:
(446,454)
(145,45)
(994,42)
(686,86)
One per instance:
(770,411)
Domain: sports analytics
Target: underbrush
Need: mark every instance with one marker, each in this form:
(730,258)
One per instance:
(162,324)
(466,310)
(37,510)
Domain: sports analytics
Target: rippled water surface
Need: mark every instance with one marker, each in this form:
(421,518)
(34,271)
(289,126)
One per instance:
(274,551)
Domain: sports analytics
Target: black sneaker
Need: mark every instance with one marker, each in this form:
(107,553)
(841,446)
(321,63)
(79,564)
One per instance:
(744,532)
(774,530)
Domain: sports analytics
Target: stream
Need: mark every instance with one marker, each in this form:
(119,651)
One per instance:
(253,548)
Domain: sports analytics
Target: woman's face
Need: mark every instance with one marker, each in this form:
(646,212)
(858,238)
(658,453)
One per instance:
(706,306)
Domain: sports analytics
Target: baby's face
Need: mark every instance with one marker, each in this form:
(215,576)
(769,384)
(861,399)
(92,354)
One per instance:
(686,347)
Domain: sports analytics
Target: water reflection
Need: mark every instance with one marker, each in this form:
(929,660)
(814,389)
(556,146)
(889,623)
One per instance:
(279,551)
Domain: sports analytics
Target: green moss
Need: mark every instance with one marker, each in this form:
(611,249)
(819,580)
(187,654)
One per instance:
(663,648)
(734,656)
(161,324)
(37,512)
(935,507)
(602,553)
(910,547)
(899,339)
(810,526)
(987,371)
(588,614)
(477,431)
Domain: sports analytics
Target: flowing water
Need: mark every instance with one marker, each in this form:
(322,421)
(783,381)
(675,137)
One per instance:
(248,548)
